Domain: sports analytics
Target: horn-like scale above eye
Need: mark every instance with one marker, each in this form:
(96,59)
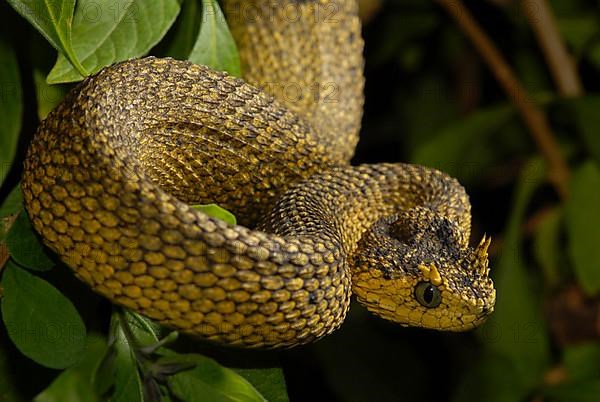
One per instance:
(428,295)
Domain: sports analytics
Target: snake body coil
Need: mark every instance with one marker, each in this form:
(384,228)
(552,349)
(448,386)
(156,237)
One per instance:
(111,171)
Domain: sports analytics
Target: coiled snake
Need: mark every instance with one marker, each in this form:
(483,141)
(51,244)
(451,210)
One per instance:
(111,172)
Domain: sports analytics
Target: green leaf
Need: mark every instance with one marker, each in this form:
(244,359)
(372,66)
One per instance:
(547,246)
(585,391)
(215,211)
(448,150)
(146,331)
(208,381)
(517,330)
(588,119)
(593,54)
(53,19)
(215,46)
(583,226)
(181,38)
(25,247)
(128,382)
(131,335)
(75,383)
(13,202)
(41,322)
(11,107)
(150,349)
(48,96)
(270,382)
(578,31)
(531,71)
(103,377)
(108,31)
(582,361)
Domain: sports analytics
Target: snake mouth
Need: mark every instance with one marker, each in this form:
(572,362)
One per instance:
(467,326)
(479,319)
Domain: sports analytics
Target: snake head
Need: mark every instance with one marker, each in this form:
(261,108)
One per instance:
(416,269)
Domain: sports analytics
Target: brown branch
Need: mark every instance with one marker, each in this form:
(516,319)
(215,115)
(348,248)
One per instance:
(559,60)
(533,117)
(3,255)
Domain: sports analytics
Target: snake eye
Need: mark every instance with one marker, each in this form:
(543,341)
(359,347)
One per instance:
(428,295)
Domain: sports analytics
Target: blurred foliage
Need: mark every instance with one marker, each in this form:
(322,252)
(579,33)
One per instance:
(429,100)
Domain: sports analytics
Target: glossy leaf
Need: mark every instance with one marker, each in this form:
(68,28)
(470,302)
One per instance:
(103,377)
(270,382)
(75,383)
(131,334)
(48,96)
(128,382)
(54,20)
(108,31)
(215,46)
(11,107)
(146,331)
(181,38)
(583,226)
(25,247)
(41,321)
(215,211)
(208,381)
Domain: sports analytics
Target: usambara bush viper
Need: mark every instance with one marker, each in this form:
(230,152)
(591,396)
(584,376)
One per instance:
(111,172)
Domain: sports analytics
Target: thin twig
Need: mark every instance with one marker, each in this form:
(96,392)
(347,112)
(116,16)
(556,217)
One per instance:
(368,9)
(534,118)
(559,60)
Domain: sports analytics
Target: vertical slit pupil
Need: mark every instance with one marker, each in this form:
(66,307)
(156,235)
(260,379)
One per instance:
(428,294)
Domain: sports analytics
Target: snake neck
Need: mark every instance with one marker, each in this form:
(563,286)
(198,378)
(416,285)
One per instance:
(308,54)
(344,202)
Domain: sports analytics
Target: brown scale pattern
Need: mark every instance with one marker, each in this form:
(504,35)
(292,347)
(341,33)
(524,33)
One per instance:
(111,171)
